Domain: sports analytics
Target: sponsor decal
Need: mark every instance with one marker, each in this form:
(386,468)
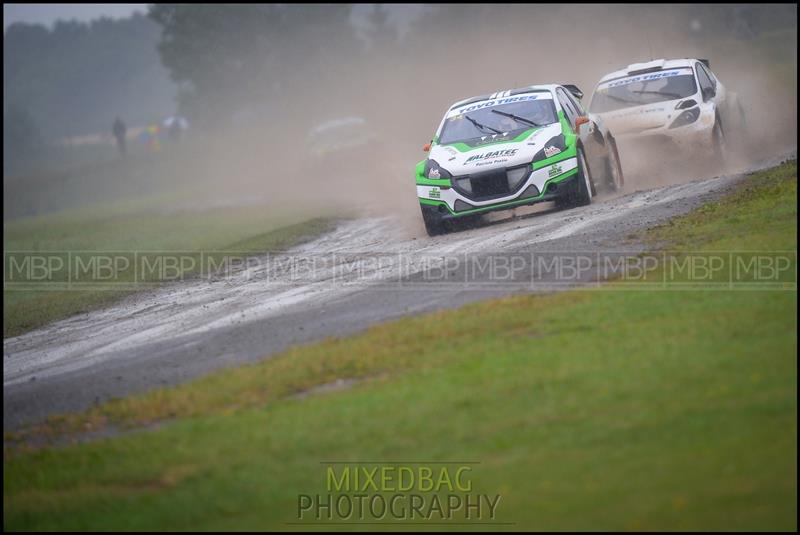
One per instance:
(434,193)
(532,138)
(555,169)
(434,173)
(500,101)
(638,112)
(551,151)
(492,139)
(647,77)
(491,155)
(451,152)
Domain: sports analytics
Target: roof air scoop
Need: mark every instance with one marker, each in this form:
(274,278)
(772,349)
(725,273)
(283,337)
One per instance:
(650,66)
(577,93)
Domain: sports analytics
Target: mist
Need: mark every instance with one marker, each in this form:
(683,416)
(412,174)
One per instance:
(402,86)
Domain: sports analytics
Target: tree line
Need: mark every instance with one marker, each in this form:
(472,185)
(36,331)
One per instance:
(74,78)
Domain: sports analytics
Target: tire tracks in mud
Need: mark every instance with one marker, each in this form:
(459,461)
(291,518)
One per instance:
(171,334)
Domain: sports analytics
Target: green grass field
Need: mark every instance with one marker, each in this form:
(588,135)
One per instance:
(588,409)
(164,223)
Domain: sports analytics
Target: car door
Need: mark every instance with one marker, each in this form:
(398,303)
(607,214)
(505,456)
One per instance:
(712,95)
(722,100)
(720,95)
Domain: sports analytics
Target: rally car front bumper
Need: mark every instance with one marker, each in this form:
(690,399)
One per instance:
(696,136)
(545,181)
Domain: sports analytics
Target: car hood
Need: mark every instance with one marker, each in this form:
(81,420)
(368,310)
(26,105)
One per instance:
(640,118)
(493,152)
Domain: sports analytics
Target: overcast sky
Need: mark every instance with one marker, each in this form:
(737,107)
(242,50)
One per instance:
(48,13)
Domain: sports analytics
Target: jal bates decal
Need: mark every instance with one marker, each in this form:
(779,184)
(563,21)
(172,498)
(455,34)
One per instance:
(491,157)
(496,155)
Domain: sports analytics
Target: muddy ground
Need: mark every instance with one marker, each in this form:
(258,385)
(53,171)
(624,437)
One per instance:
(365,271)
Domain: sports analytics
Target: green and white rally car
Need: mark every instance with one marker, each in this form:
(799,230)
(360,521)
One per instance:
(514,148)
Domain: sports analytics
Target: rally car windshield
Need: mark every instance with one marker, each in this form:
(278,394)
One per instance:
(634,91)
(500,119)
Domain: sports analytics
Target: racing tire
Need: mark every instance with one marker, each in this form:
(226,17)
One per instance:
(615,180)
(719,145)
(466,222)
(580,194)
(434,224)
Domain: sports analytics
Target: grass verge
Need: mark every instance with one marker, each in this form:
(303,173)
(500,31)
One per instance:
(128,227)
(586,410)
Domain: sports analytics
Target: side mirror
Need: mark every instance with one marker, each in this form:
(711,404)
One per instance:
(426,147)
(579,121)
(708,93)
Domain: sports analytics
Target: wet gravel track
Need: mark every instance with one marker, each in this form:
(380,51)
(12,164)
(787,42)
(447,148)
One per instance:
(363,272)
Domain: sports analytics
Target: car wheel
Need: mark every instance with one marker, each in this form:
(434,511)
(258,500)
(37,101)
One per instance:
(719,145)
(465,222)
(615,178)
(434,224)
(581,192)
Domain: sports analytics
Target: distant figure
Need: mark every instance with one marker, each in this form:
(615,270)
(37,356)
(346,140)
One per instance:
(119,132)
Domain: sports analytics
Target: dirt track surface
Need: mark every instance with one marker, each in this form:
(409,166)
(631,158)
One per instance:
(364,272)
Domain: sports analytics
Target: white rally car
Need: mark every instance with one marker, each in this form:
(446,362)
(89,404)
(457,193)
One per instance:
(676,102)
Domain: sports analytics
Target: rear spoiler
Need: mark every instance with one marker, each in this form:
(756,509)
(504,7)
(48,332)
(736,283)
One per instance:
(705,62)
(574,90)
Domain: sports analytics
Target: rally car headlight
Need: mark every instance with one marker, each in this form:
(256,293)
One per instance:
(434,172)
(687,117)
